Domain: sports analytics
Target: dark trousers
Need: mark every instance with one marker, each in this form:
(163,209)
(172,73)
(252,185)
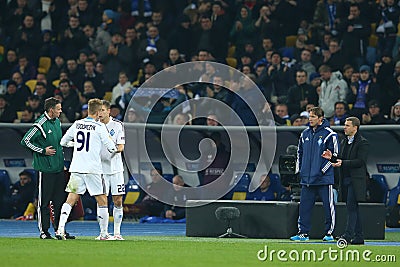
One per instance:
(307,202)
(51,188)
(353,226)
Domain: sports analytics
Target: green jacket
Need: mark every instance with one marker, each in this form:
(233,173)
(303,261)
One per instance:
(45,132)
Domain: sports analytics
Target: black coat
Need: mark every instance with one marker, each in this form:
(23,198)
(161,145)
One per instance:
(356,163)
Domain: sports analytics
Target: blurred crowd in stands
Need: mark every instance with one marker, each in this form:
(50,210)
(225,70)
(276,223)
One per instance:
(341,55)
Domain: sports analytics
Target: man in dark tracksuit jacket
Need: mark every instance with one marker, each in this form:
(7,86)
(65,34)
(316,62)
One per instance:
(43,138)
(316,173)
(352,170)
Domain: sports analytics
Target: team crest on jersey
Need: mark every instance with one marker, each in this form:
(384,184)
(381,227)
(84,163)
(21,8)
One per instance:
(112,132)
(319,140)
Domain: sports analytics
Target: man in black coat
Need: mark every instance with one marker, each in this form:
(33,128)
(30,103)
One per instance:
(351,163)
(301,94)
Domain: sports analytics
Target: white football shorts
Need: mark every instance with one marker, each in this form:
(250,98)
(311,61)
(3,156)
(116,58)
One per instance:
(115,182)
(80,182)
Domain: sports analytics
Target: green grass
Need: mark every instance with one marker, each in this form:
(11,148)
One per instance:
(170,251)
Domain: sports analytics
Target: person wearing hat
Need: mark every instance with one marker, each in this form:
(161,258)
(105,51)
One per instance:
(84,111)
(362,91)
(374,115)
(244,60)
(133,116)
(296,120)
(277,79)
(395,114)
(7,113)
(243,29)
(109,21)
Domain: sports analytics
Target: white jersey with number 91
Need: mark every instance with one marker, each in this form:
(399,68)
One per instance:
(89,136)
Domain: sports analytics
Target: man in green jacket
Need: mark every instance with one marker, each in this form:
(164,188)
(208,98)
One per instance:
(43,138)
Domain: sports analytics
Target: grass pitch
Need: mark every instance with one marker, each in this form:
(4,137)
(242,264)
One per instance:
(183,251)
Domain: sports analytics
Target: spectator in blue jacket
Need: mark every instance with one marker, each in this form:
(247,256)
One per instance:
(265,191)
(316,173)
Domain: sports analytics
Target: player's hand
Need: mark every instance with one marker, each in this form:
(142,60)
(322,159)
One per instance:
(327,154)
(50,151)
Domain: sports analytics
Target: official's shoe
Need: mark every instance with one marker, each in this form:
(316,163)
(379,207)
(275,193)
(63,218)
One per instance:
(300,237)
(118,237)
(328,238)
(45,235)
(60,235)
(68,236)
(357,241)
(345,237)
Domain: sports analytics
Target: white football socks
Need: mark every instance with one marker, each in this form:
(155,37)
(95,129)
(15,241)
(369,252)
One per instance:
(65,211)
(118,214)
(102,216)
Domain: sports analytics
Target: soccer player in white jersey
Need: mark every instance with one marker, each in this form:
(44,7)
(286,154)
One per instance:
(88,136)
(113,167)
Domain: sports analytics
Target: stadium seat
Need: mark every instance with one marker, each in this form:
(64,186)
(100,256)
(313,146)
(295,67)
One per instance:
(5,181)
(231,51)
(394,196)
(373,27)
(132,189)
(44,65)
(239,191)
(373,40)
(139,77)
(290,40)
(56,83)
(231,61)
(19,115)
(31,84)
(108,96)
(383,186)
(398,28)
(3,83)
(168,177)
